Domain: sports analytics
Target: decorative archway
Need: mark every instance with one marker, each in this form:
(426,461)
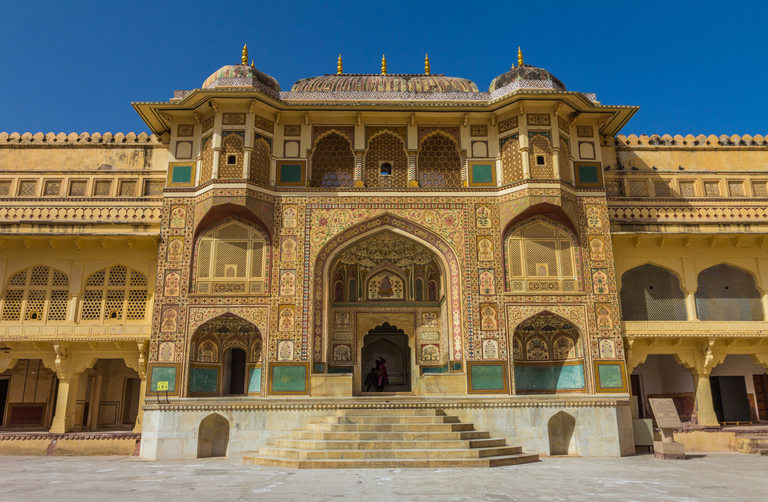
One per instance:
(548,354)
(225,356)
(441,249)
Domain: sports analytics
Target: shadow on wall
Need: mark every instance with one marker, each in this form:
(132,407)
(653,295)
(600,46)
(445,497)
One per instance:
(213,437)
(560,428)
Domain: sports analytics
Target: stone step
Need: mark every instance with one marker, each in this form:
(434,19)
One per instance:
(380,412)
(347,454)
(393,463)
(388,436)
(390,427)
(313,444)
(389,419)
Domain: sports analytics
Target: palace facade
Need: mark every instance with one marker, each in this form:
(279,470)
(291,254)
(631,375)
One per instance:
(509,254)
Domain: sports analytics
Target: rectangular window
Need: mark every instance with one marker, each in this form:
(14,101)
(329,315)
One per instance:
(290,173)
(102,188)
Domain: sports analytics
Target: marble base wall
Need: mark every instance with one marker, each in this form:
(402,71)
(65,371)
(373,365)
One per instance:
(601,426)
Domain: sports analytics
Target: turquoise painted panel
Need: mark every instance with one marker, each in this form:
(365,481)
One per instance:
(550,377)
(289,378)
(434,369)
(487,377)
(482,173)
(456,366)
(318,368)
(204,380)
(589,174)
(163,374)
(610,376)
(181,174)
(290,173)
(254,381)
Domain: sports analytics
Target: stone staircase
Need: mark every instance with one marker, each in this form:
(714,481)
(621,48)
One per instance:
(389,438)
(752,442)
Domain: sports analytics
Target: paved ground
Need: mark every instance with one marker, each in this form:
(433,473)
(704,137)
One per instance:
(715,476)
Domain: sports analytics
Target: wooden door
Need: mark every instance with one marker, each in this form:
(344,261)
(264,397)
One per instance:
(761,395)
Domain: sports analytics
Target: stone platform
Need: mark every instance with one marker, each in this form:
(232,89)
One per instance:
(70,443)
(382,438)
(543,424)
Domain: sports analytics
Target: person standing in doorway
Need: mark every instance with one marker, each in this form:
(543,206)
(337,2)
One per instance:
(381,374)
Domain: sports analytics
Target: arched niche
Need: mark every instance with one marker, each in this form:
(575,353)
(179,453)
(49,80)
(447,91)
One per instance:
(225,358)
(548,355)
(213,436)
(727,293)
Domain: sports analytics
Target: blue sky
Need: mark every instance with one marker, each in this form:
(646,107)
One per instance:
(692,67)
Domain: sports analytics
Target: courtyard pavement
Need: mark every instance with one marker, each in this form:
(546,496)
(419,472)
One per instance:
(712,476)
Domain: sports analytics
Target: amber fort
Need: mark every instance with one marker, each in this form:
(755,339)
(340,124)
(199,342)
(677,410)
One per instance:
(224,285)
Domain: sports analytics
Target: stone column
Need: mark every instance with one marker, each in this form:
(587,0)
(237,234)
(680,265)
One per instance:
(64,416)
(95,400)
(413,180)
(690,305)
(142,371)
(359,169)
(247,152)
(764,300)
(464,169)
(523,141)
(705,410)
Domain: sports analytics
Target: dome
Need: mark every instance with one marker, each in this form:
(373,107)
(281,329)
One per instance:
(384,83)
(241,75)
(527,77)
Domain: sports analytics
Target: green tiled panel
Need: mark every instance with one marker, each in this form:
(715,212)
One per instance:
(163,374)
(550,377)
(610,376)
(181,174)
(254,381)
(487,377)
(289,378)
(204,380)
(482,173)
(589,174)
(290,173)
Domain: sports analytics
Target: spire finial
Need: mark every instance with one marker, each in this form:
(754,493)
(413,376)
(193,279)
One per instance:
(383,64)
(519,56)
(339,66)
(427,69)
(252,65)
(244,58)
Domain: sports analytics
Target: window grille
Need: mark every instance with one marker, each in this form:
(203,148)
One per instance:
(511,161)
(52,188)
(652,293)
(712,188)
(439,163)
(27,188)
(390,148)
(638,188)
(546,337)
(77,188)
(231,258)
(726,293)
(261,159)
(36,294)
(687,189)
(116,294)
(231,156)
(541,257)
(759,189)
(5,188)
(333,162)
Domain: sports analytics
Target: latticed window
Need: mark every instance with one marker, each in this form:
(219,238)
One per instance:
(333,162)
(231,258)
(541,257)
(386,148)
(727,293)
(116,293)
(439,162)
(36,294)
(261,158)
(652,293)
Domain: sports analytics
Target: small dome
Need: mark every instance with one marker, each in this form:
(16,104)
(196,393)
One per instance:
(240,75)
(527,77)
(384,83)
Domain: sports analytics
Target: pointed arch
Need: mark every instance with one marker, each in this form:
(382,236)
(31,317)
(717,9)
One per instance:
(728,293)
(332,161)
(38,293)
(652,293)
(320,298)
(116,293)
(439,161)
(385,146)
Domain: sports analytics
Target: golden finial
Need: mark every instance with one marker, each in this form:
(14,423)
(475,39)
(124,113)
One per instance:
(252,65)
(426,65)
(339,66)
(519,56)
(244,58)
(383,64)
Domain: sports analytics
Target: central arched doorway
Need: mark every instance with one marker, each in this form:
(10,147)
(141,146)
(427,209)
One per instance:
(388,345)
(225,358)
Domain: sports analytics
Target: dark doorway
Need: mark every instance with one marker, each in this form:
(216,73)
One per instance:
(131,401)
(729,397)
(3,397)
(234,372)
(761,395)
(391,344)
(637,393)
